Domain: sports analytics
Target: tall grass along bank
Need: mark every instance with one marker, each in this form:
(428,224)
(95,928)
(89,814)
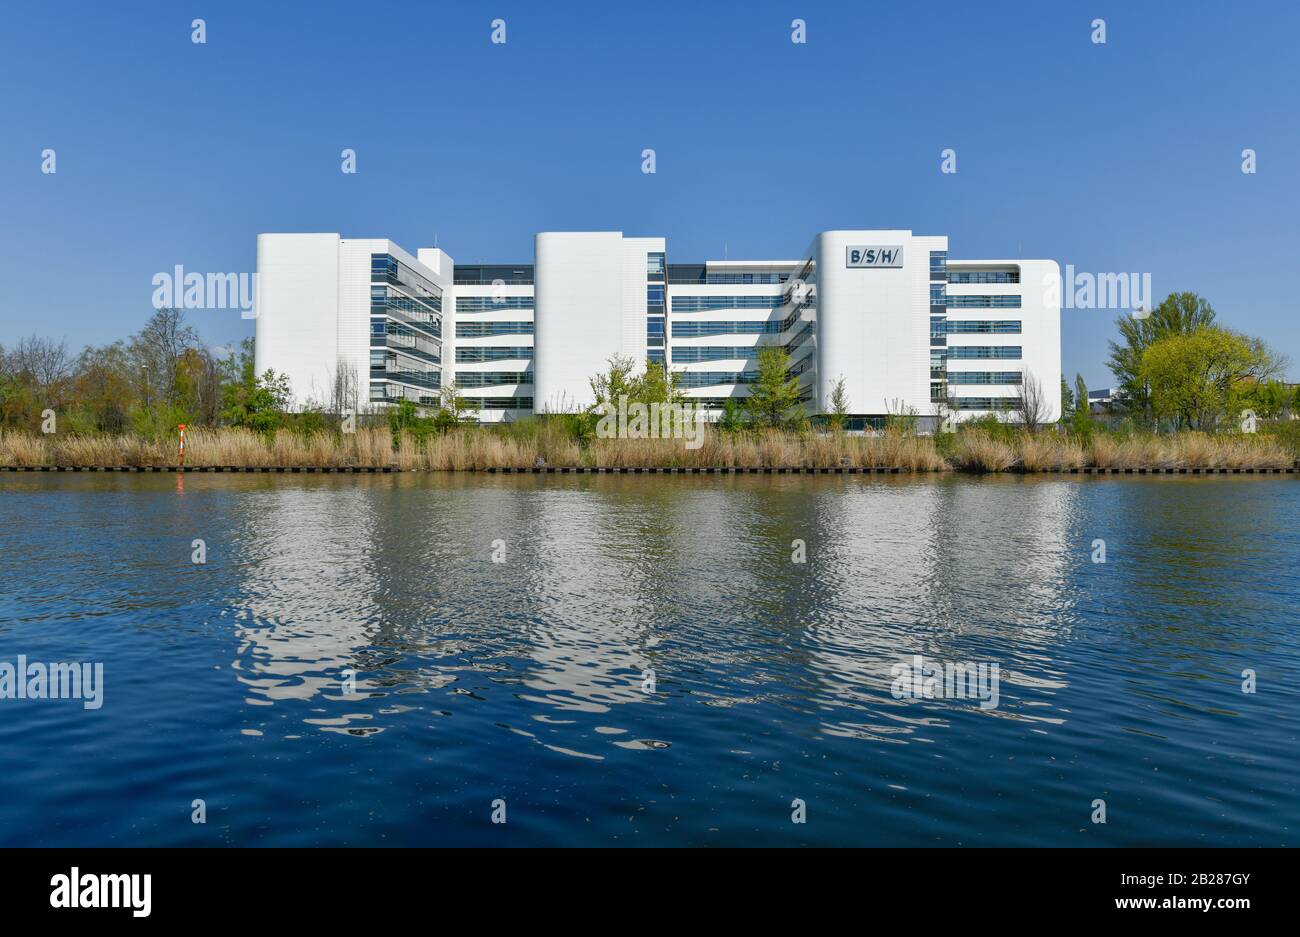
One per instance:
(517,447)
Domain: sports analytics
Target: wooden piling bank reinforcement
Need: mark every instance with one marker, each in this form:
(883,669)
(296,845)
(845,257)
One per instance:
(600,470)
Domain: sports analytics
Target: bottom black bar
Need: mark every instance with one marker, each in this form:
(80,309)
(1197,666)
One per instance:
(214,886)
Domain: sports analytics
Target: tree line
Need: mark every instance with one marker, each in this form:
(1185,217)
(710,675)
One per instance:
(147,384)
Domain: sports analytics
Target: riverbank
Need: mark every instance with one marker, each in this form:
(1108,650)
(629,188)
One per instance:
(488,449)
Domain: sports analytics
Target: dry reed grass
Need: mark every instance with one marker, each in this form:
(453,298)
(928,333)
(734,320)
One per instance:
(1046,452)
(977,451)
(520,447)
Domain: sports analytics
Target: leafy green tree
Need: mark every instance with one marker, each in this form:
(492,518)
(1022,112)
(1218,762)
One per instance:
(453,408)
(655,385)
(1067,398)
(839,402)
(1177,314)
(258,403)
(733,416)
(1269,399)
(774,395)
(1196,379)
(1081,415)
(618,380)
(104,389)
(659,385)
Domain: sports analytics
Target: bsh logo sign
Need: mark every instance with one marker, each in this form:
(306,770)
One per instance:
(876,256)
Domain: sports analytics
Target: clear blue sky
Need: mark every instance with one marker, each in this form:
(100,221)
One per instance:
(1119,157)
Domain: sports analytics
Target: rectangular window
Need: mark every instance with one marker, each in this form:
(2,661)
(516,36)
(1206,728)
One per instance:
(982,326)
(488,303)
(704,303)
(501,403)
(492,378)
(479,329)
(492,353)
(984,276)
(986,403)
(985,351)
(983,377)
(984,302)
(685,354)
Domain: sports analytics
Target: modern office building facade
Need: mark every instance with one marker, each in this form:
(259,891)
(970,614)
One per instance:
(907,329)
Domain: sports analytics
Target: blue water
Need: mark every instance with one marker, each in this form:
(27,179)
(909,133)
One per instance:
(522,680)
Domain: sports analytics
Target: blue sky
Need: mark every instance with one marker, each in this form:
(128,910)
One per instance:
(1118,157)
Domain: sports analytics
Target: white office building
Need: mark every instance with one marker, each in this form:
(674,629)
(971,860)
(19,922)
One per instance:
(906,328)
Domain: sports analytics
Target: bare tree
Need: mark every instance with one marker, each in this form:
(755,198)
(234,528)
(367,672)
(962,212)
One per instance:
(43,360)
(157,350)
(1031,407)
(345,395)
(945,413)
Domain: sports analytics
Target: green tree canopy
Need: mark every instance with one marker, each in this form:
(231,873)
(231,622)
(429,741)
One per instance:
(774,395)
(1197,378)
(1177,314)
(654,385)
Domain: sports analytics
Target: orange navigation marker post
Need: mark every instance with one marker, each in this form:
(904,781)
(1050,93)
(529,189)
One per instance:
(181,453)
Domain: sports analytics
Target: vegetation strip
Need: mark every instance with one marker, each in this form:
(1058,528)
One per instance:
(651,470)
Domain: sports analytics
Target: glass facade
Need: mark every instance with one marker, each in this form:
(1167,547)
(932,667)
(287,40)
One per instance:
(501,403)
(492,378)
(492,353)
(479,329)
(687,354)
(690,329)
(982,326)
(705,303)
(405,333)
(984,302)
(691,379)
(985,351)
(985,403)
(489,303)
(983,377)
(699,273)
(984,276)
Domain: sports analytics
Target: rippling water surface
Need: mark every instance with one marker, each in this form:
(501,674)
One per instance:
(523,680)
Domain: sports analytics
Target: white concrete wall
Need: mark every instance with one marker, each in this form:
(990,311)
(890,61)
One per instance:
(874,323)
(591,304)
(297,310)
(1041,307)
(313,309)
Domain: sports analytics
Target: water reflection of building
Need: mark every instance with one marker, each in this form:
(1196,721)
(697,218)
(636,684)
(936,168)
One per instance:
(607,577)
(306,604)
(949,568)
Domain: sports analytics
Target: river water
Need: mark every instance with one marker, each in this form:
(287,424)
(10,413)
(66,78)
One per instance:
(642,660)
